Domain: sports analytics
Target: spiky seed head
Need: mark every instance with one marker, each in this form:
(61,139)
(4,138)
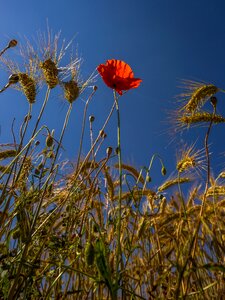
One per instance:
(71,91)
(28,86)
(200,117)
(7,154)
(13,78)
(12,43)
(50,72)
(91,119)
(200,96)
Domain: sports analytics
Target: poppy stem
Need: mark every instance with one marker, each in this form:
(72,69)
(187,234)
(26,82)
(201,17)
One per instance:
(119,254)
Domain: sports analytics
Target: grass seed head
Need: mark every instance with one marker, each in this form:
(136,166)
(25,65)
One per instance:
(199,96)
(172,182)
(190,159)
(28,86)
(7,154)
(186,120)
(50,72)
(71,91)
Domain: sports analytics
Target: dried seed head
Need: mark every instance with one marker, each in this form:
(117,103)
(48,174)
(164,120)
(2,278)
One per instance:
(12,43)
(13,79)
(91,119)
(71,91)
(28,87)
(50,72)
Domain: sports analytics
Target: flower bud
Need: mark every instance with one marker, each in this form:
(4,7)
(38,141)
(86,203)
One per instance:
(213,101)
(12,43)
(91,119)
(163,171)
(27,118)
(109,151)
(102,134)
(95,87)
(148,178)
(49,141)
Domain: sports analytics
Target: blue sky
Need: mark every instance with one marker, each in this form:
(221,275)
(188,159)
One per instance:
(163,41)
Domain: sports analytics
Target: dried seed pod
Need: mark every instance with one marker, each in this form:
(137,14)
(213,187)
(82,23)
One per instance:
(71,91)
(28,87)
(50,73)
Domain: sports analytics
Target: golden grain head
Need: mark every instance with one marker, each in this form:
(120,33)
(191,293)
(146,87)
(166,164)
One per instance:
(187,120)
(189,159)
(28,86)
(7,154)
(169,183)
(217,190)
(196,94)
(71,91)
(50,72)
(200,96)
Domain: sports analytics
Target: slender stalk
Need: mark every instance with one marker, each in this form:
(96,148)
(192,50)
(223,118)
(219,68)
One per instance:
(119,252)
(83,127)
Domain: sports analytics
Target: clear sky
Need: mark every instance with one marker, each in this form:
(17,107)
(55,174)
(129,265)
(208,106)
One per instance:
(163,41)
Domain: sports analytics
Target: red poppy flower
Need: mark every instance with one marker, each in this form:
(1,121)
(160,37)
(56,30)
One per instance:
(118,75)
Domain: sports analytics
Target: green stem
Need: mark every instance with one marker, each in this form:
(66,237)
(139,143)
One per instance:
(119,254)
